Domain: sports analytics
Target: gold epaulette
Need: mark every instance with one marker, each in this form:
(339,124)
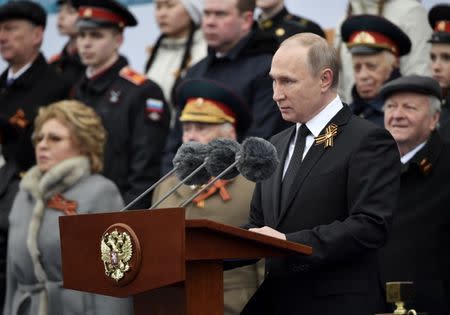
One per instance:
(133,76)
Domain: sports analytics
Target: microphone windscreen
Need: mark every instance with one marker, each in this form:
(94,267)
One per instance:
(190,156)
(258,159)
(222,153)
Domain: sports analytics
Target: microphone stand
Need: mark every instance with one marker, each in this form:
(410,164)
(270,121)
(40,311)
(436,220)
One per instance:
(187,201)
(149,189)
(198,169)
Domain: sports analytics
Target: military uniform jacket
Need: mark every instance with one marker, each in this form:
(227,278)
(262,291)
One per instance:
(69,65)
(245,70)
(285,24)
(444,121)
(341,205)
(40,85)
(136,118)
(417,249)
(232,212)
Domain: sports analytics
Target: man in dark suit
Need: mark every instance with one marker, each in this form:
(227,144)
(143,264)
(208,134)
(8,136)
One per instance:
(27,83)
(417,249)
(335,190)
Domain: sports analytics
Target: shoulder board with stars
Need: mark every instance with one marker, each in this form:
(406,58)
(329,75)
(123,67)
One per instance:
(133,76)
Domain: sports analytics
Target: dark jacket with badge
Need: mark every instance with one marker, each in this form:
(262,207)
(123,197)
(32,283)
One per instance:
(285,24)
(40,85)
(69,65)
(245,70)
(135,116)
(417,249)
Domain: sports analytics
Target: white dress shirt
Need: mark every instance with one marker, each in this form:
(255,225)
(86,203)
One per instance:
(315,126)
(408,156)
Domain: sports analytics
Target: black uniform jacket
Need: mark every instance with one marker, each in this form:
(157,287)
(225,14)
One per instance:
(444,121)
(40,85)
(285,24)
(69,65)
(136,118)
(418,247)
(341,206)
(245,70)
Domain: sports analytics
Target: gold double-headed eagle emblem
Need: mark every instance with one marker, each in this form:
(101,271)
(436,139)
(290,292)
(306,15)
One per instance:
(117,251)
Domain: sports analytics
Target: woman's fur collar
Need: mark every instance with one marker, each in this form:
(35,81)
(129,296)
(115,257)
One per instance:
(57,179)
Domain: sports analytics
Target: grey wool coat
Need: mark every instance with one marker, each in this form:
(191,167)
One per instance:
(34,279)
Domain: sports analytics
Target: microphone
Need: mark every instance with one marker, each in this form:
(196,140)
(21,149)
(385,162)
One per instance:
(222,154)
(185,174)
(254,155)
(258,160)
(188,157)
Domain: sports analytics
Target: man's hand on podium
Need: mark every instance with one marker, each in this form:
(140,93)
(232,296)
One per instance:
(269,232)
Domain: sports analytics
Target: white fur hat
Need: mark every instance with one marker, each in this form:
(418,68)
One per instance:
(194,9)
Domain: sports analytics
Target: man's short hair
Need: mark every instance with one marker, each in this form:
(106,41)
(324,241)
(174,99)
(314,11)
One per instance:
(320,55)
(246,5)
(435,104)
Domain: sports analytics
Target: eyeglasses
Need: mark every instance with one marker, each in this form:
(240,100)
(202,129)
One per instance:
(51,138)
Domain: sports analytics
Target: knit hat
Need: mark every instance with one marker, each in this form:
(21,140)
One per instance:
(194,9)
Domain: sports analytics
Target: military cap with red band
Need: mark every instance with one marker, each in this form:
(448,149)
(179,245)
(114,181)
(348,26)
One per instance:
(369,34)
(209,101)
(439,18)
(103,13)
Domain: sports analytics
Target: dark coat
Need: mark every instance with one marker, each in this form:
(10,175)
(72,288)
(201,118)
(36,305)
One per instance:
(9,185)
(69,65)
(245,69)
(342,206)
(444,121)
(284,25)
(136,128)
(371,110)
(40,85)
(417,249)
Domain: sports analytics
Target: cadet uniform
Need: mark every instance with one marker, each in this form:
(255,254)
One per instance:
(228,201)
(369,35)
(284,24)
(68,64)
(439,18)
(132,108)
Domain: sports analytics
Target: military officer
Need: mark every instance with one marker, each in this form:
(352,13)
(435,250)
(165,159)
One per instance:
(277,21)
(28,82)
(376,46)
(209,111)
(68,62)
(131,106)
(439,18)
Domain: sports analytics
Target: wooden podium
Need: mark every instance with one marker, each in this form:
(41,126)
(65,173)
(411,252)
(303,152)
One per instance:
(177,266)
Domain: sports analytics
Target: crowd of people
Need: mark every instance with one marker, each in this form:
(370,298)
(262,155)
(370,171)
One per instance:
(359,116)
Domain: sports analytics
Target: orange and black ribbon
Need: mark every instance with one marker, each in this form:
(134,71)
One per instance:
(19,119)
(218,186)
(58,202)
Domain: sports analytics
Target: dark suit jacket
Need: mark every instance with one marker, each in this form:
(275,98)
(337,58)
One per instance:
(342,206)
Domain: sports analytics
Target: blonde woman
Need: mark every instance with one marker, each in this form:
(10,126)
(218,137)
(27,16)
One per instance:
(69,139)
